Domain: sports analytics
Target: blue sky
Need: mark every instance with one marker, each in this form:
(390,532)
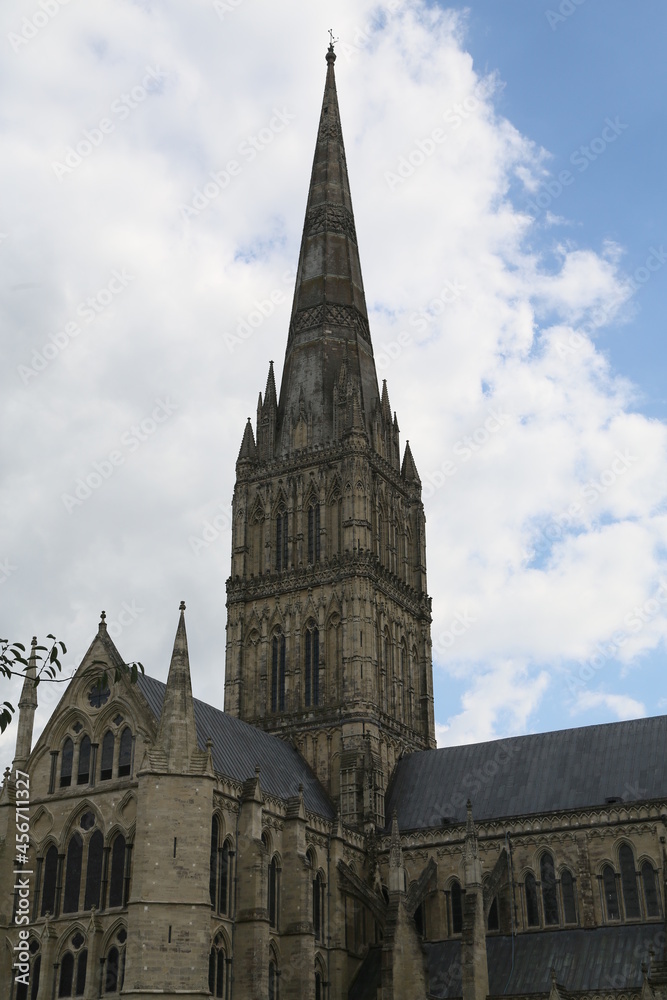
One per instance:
(524,362)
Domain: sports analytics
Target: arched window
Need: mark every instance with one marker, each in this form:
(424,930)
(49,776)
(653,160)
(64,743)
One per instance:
(569,901)
(273,892)
(312,665)
(66,763)
(405,682)
(549,893)
(318,906)
(457,908)
(610,893)
(273,981)
(629,882)
(73,874)
(217,968)
(117,880)
(651,898)
(335,524)
(213,873)
(50,876)
(125,753)
(94,871)
(390,686)
(111,983)
(72,982)
(106,764)
(318,986)
(278,673)
(257,540)
(114,973)
(281,539)
(83,776)
(225,880)
(532,908)
(313,533)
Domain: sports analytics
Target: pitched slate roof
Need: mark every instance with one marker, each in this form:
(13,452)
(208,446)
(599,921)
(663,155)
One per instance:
(238,748)
(604,958)
(570,769)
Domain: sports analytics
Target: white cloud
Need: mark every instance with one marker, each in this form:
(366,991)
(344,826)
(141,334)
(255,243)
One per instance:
(620,705)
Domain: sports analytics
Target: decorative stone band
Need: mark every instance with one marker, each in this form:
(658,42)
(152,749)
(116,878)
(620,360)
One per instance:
(330,219)
(329,129)
(330,314)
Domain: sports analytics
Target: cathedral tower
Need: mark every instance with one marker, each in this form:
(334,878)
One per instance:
(328,631)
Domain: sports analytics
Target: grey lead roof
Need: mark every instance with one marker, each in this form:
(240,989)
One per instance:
(238,748)
(570,769)
(604,958)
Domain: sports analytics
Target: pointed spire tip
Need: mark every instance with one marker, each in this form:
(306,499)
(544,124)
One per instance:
(181,606)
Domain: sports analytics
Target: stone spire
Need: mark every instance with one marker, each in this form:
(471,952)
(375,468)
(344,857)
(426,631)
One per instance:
(329,322)
(27,709)
(176,742)
(409,469)
(396,869)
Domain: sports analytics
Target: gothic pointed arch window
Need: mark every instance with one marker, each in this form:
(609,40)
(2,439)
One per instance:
(626,860)
(66,760)
(94,871)
(313,527)
(225,886)
(610,893)
(29,990)
(312,665)
(106,760)
(117,881)
(114,964)
(273,979)
(83,774)
(569,898)
(273,892)
(217,968)
(73,968)
(50,878)
(335,527)
(213,867)
(278,671)
(281,538)
(318,906)
(457,907)
(405,684)
(532,906)
(125,753)
(650,886)
(73,874)
(389,673)
(257,523)
(319,994)
(549,891)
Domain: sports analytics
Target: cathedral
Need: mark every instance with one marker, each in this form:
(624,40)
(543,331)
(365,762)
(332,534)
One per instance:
(310,840)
